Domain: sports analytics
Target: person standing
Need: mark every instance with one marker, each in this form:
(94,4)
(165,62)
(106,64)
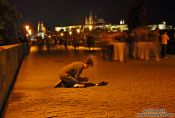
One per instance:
(164,42)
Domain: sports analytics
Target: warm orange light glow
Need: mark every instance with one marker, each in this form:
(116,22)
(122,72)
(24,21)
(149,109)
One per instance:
(70,33)
(27,27)
(62,34)
(30,31)
(90,27)
(78,31)
(27,35)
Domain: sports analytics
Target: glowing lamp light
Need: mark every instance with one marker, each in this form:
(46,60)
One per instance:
(70,33)
(90,27)
(57,29)
(78,31)
(27,27)
(49,36)
(164,22)
(62,34)
(30,31)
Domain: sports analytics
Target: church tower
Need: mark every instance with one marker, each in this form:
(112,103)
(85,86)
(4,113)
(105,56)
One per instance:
(91,20)
(86,21)
(41,29)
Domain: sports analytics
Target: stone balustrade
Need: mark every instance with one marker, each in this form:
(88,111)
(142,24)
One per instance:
(10,59)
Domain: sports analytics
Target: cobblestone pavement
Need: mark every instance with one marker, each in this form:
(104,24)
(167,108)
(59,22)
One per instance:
(135,85)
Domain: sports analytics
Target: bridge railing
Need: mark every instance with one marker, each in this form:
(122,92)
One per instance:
(10,59)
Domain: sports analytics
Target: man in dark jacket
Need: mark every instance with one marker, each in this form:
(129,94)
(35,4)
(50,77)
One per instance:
(70,74)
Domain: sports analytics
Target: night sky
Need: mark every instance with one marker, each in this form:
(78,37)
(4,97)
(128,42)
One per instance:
(71,12)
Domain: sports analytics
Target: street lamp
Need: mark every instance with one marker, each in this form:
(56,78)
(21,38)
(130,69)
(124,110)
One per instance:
(30,31)
(27,27)
(62,34)
(70,32)
(90,27)
(78,31)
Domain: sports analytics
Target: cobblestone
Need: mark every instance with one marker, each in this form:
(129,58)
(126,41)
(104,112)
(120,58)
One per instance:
(135,85)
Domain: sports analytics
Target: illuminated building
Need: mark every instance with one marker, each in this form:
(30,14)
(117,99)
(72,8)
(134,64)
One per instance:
(89,20)
(93,23)
(162,26)
(41,30)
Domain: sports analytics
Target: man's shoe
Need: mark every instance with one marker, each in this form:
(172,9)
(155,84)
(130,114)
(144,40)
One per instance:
(103,83)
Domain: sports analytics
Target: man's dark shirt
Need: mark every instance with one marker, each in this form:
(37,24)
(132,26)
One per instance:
(74,69)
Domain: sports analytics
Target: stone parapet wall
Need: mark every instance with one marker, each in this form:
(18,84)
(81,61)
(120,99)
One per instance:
(10,59)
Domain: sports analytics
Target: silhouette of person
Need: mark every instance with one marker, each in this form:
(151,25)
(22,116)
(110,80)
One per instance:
(164,41)
(70,74)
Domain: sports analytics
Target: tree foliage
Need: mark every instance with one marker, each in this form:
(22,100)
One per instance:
(8,18)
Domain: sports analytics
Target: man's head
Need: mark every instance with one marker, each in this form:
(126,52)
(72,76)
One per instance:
(88,62)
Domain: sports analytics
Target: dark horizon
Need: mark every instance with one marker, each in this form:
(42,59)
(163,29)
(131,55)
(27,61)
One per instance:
(65,12)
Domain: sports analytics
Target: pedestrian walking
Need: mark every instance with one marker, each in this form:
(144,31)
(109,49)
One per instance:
(164,42)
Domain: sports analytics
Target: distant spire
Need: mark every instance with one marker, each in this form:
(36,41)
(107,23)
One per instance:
(90,14)
(90,21)
(86,20)
(123,21)
(39,27)
(95,17)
